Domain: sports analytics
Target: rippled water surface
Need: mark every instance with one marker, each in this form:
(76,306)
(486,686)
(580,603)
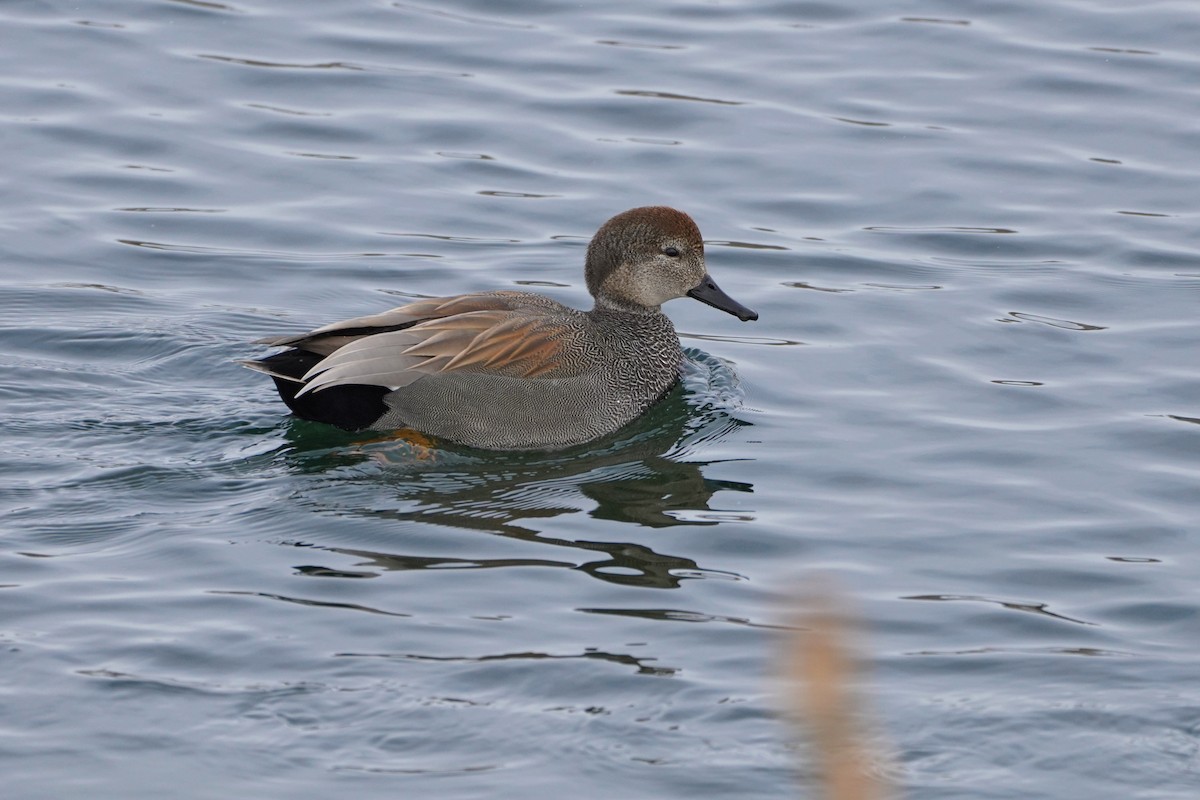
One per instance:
(972,398)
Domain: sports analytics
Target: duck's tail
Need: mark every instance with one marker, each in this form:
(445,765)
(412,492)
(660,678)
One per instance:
(349,407)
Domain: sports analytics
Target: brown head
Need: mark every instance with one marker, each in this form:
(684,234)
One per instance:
(643,257)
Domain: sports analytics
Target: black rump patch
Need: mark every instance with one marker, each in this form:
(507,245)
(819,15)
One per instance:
(350,408)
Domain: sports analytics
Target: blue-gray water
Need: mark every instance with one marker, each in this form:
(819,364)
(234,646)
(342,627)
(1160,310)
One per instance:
(973,397)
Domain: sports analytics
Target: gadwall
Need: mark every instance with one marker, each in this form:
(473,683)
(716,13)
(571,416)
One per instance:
(508,370)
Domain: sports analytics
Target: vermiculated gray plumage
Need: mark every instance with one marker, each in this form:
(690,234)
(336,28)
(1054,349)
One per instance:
(594,391)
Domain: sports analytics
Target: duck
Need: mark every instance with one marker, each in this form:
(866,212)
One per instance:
(512,370)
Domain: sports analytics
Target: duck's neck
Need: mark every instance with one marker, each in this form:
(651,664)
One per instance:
(606,305)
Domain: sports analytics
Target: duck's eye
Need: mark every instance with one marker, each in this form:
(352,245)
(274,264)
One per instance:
(673,252)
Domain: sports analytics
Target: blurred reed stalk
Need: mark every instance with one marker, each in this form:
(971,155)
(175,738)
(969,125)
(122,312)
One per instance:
(820,673)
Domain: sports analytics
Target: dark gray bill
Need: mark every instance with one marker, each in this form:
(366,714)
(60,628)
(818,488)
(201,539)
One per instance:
(708,292)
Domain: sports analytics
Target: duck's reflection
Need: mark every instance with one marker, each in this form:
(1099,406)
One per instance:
(642,475)
(642,664)
(620,562)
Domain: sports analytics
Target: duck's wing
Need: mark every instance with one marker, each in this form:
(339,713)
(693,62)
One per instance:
(325,340)
(514,334)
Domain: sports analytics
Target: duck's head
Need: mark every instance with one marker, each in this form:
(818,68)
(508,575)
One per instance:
(644,257)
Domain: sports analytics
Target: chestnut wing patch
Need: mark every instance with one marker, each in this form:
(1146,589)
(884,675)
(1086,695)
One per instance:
(513,343)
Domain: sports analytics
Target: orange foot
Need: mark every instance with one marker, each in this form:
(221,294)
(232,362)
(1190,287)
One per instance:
(418,445)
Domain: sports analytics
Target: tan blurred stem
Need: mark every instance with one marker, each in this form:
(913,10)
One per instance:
(820,673)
